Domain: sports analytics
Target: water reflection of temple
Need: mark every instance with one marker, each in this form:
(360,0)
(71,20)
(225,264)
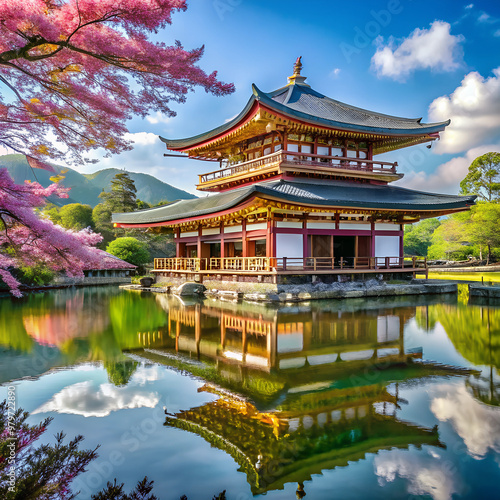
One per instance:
(274,448)
(272,339)
(323,380)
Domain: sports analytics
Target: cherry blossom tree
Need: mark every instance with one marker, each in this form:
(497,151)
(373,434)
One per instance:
(77,70)
(28,240)
(72,72)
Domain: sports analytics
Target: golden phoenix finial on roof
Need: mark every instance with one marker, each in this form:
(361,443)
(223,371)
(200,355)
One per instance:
(297,67)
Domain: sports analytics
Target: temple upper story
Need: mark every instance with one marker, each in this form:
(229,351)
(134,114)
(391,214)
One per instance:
(296,131)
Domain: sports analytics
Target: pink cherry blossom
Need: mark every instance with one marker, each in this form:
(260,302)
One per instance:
(76,71)
(28,240)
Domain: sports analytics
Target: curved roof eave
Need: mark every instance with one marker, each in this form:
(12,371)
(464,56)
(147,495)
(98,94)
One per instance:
(180,144)
(267,100)
(302,194)
(427,128)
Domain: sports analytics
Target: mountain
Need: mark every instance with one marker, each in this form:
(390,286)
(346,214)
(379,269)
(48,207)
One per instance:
(85,188)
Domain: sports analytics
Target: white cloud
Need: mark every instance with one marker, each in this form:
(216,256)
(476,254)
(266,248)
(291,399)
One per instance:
(425,474)
(469,6)
(227,120)
(484,18)
(434,48)
(90,399)
(446,178)
(477,424)
(145,374)
(497,33)
(142,138)
(474,110)
(335,73)
(158,118)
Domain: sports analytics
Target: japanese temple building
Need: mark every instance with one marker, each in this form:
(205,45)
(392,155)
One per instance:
(298,191)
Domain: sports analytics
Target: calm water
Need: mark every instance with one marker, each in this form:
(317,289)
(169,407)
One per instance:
(335,399)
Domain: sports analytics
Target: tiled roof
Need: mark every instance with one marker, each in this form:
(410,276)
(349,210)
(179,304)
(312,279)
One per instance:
(301,102)
(326,194)
(306,101)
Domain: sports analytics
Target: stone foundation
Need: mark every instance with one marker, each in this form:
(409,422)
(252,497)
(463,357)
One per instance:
(305,291)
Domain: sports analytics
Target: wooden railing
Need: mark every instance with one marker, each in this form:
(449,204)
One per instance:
(307,159)
(272,264)
(243,264)
(333,263)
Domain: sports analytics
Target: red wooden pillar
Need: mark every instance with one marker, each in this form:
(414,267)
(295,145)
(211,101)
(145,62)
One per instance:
(372,251)
(244,237)
(401,242)
(370,151)
(198,242)
(305,238)
(270,235)
(222,251)
(177,242)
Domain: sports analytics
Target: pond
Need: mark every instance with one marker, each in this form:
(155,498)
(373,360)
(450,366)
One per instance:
(390,398)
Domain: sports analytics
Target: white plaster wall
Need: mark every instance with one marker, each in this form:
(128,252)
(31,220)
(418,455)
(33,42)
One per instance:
(294,225)
(189,234)
(210,230)
(289,245)
(233,229)
(321,225)
(361,226)
(256,226)
(387,246)
(385,226)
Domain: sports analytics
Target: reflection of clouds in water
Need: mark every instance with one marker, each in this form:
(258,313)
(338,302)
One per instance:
(476,423)
(426,475)
(91,399)
(148,373)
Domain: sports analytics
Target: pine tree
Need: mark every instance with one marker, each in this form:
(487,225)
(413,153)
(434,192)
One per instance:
(122,197)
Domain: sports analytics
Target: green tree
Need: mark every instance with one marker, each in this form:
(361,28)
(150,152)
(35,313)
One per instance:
(129,249)
(483,178)
(122,196)
(484,227)
(418,237)
(101,217)
(450,240)
(76,216)
(142,205)
(119,372)
(51,211)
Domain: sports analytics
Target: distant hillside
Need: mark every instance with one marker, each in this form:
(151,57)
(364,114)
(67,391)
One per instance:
(149,188)
(85,188)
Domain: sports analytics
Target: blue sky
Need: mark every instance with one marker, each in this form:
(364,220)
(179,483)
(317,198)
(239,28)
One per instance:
(435,60)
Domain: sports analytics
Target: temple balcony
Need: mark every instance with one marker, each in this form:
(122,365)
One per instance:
(290,265)
(298,164)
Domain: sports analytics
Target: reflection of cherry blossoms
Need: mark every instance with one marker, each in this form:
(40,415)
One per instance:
(425,473)
(28,240)
(476,423)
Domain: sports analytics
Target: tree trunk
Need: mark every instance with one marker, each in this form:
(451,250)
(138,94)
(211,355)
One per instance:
(489,254)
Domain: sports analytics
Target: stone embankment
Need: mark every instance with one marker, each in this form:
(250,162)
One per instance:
(321,291)
(317,291)
(489,292)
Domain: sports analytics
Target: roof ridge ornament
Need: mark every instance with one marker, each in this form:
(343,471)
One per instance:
(297,78)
